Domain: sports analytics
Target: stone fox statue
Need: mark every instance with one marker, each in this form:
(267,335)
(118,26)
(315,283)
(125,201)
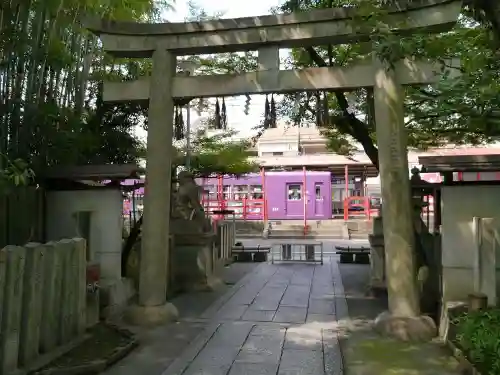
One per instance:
(187,204)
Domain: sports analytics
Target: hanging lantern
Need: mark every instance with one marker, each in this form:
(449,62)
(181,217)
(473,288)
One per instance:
(272,114)
(326,110)
(296,109)
(223,115)
(267,114)
(319,110)
(217,115)
(178,125)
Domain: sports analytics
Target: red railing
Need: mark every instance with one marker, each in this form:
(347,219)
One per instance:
(359,207)
(245,208)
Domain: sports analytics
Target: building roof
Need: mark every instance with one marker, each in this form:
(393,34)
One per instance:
(461,163)
(91,172)
(357,165)
(324,159)
(284,132)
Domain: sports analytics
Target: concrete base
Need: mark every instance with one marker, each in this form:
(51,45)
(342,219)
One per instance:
(413,329)
(115,296)
(150,316)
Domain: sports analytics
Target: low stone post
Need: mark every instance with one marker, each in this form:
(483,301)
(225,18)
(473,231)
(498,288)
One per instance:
(31,314)
(377,255)
(65,332)
(477,301)
(92,295)
(11,308)
(50,297)
(81,288)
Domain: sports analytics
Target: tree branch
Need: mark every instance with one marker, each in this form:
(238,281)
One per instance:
(357,128)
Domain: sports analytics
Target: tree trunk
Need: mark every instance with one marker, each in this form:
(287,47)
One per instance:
(129,244)
(348,123)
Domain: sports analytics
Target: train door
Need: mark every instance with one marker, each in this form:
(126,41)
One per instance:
(319,199)
(294,200)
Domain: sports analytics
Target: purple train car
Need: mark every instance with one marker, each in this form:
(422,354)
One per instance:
(284,191)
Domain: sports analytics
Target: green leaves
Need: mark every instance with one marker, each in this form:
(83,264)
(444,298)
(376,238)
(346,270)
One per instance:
(14,173)
(460,110)
(478,334)
(219,154)
(51,71)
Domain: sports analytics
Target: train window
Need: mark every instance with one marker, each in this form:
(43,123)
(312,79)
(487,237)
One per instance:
(317,192)
(240,192)
(256,192)
(294,192)
(226,189)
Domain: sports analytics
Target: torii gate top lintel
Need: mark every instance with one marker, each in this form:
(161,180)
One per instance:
(316,27)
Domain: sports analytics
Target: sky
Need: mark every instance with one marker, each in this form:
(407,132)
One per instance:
(231,9)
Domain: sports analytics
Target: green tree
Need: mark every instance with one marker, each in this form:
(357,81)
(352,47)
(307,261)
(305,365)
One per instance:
(458,110)
(219,154)
(50,68)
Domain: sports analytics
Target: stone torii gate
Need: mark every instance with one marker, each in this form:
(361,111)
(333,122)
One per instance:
(266,34)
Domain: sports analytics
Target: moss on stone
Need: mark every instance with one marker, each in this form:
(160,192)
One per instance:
(376,355)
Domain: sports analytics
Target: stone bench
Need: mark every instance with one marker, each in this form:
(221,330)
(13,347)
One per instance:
(250,253)
(358,254)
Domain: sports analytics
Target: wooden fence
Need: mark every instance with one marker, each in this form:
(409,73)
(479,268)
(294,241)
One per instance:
(22,216)
(42,300)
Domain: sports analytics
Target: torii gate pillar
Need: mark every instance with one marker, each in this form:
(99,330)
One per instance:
(401,320)
(152,307)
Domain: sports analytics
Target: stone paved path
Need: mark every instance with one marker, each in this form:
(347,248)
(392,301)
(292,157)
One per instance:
(280,319)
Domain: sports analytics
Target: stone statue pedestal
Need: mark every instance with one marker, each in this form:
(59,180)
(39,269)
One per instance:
(193,263)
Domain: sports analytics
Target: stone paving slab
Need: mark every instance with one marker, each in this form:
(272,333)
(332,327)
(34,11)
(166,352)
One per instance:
(272,324)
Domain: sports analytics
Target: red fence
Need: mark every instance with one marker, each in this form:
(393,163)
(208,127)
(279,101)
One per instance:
(245,208)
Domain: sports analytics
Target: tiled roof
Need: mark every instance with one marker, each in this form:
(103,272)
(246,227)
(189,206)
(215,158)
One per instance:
(312,159)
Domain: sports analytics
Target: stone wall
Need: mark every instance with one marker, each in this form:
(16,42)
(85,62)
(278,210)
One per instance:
(103,209)
(460,204)
(42,300)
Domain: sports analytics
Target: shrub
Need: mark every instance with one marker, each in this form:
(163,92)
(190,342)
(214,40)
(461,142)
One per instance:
(478,335)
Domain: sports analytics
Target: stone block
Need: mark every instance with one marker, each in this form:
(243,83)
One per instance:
(377,262)
(81,287)
(50,297)
(66,324)
(303,362)
(31,314)
(3,264)
(193,263)
(286,314)
(115,295)
(378,226)
(11,308)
